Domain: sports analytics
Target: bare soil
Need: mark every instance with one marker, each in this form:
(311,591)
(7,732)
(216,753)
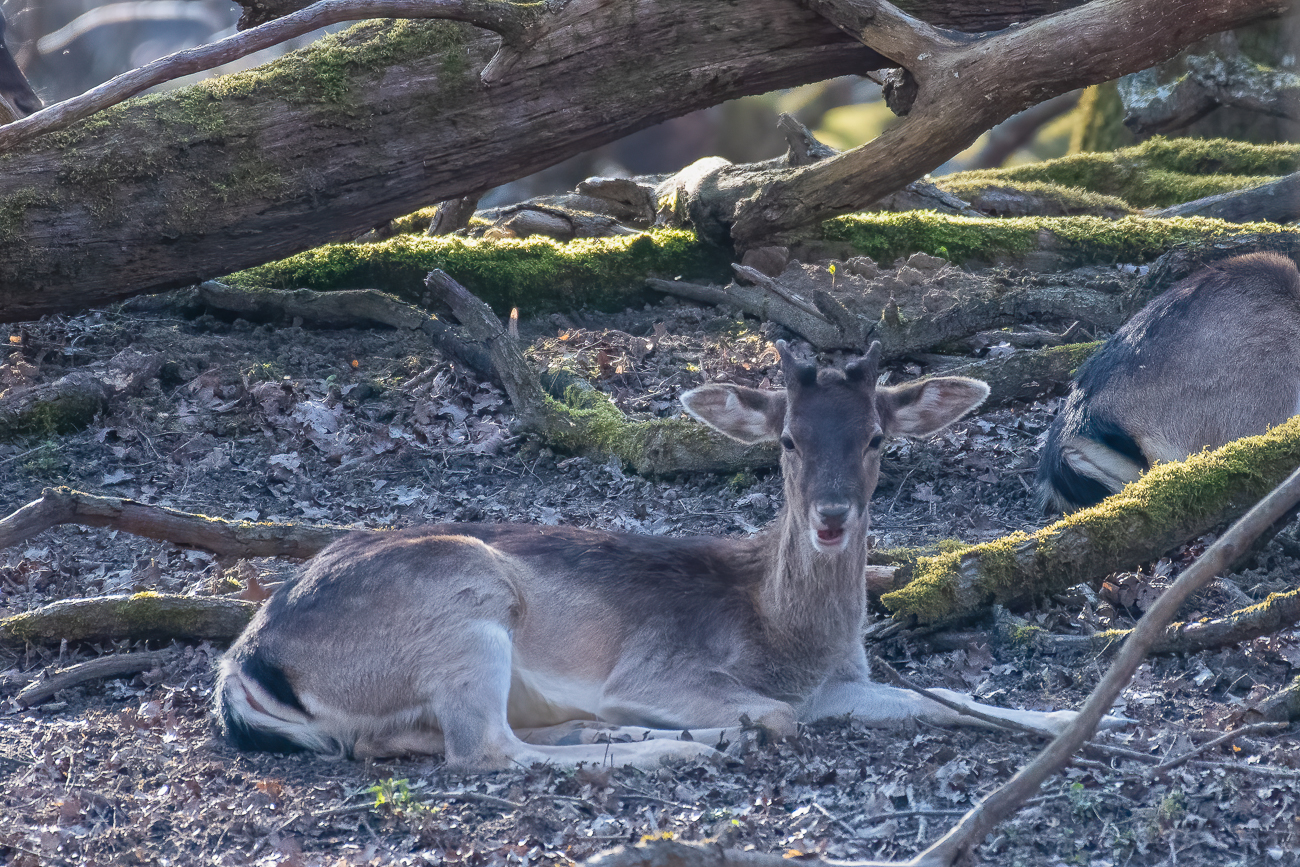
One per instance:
(374,429)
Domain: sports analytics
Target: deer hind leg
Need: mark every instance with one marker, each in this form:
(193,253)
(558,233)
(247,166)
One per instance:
(717,713)
(471,712)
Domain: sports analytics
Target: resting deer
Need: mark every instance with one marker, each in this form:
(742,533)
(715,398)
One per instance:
(512,644)
(1213,359)
(14,88)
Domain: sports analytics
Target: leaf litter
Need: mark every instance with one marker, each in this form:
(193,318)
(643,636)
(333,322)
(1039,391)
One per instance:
(373,429)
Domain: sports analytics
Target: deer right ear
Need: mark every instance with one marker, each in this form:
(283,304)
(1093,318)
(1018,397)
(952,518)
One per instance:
(750,415)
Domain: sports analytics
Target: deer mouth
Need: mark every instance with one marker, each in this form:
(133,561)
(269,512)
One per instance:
(831,537)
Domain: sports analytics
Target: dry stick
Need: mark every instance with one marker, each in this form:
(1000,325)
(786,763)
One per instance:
(511,20)
(105,666)
(222,537)
(1257,728)
(898,680)
(1008,798)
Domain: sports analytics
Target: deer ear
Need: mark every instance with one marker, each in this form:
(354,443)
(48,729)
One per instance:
(920,408)
(750,415)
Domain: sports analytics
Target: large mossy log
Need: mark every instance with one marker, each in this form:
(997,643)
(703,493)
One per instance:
(539,275)
(1169,505)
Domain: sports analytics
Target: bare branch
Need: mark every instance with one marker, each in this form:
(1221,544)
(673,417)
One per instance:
(117,665)
(1008,798)
(911,42)
(511,20)
(963,91)
(226,538)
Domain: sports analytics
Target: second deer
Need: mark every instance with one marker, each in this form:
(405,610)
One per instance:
(1214,359)
(510,644)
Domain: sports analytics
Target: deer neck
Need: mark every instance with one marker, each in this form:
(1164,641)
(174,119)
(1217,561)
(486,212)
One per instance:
(811,603)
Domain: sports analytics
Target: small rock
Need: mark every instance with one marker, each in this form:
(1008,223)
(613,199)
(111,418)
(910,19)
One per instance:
(925,262)
(768,260)
(863,266)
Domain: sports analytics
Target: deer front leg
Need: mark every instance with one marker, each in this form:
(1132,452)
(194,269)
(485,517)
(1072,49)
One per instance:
(850,691)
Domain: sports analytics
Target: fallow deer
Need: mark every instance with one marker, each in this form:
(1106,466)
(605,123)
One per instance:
(14,87)
(511,644)
(1213,359)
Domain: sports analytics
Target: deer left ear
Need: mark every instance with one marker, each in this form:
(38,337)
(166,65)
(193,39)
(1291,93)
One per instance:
(750,415)
(923,407)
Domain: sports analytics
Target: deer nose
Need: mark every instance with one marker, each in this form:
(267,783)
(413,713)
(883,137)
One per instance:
(833,516)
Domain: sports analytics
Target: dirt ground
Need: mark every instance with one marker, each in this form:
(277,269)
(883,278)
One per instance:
(374,429)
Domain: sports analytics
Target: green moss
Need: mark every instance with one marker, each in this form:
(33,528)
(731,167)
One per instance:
(1148,516)
(1079,240)
(1098,120)
(323,71)
(535,274)
(1157,173)
(1066,200)
(1025,635)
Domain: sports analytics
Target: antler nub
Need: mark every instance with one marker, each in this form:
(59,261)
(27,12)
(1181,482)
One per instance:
(866,368)
(799,371)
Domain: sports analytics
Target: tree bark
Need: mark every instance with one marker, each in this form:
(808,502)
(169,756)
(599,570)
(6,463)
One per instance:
(129,617)
(331,141)
(958,88)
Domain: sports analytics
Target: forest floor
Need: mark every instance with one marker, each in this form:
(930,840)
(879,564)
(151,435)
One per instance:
(373,428)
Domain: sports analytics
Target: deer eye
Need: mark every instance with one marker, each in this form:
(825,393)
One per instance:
(876,441)
(787,443)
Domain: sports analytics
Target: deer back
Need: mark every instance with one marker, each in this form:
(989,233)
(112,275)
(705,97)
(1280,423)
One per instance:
(1213,359)
(13,84)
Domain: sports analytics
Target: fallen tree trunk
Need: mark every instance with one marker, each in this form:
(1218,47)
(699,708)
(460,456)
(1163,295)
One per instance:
(359,128)
(129,617)
(1169,505)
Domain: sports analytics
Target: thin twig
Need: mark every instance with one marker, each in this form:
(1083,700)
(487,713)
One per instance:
(1006,799)
(1257,728)
(898,680)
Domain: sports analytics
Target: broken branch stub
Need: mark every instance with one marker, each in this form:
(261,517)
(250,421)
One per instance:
(585,421)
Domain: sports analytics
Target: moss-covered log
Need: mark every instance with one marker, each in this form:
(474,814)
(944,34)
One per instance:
(1169,505)
(1056,241)
(361,127)
(129,617)
(1027,374)
(1156,174)
(538,274)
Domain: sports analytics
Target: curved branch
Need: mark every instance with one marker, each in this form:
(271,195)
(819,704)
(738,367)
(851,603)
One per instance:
(963,91)
(130,11)
(511,20)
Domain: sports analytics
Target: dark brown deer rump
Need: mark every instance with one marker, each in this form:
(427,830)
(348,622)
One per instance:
(1213,359)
